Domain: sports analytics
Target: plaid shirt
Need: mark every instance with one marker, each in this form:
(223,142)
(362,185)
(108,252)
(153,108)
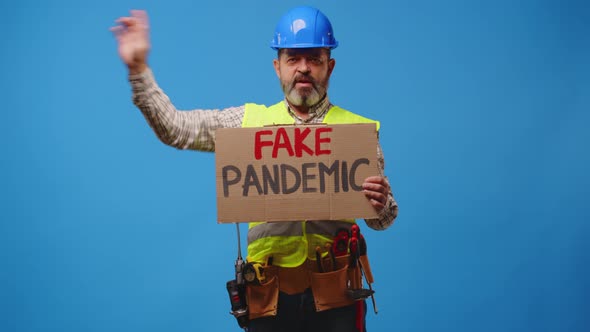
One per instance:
(195,129)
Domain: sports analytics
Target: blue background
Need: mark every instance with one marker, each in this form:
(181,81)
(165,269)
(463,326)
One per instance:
(484,109)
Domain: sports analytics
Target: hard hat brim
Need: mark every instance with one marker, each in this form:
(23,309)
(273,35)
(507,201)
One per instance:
(304,45)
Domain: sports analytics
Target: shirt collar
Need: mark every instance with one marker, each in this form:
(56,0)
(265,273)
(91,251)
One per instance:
(316,111)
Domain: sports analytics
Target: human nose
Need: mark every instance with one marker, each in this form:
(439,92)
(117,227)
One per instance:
(303,66)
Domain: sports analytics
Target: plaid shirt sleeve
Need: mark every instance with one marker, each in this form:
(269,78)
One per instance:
(389,212)
(194,129)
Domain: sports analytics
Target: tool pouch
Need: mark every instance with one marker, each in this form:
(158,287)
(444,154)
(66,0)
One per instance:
(263,298)
(329,289)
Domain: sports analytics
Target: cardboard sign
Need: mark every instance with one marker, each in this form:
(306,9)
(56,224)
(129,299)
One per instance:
(288,173)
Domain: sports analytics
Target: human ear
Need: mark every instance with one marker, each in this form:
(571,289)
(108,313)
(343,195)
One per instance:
(277,66)
(331,65)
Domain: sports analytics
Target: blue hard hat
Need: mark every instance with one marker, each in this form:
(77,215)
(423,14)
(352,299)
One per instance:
(304,27)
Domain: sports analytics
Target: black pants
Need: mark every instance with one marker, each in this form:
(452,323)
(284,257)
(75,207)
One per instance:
(296,313)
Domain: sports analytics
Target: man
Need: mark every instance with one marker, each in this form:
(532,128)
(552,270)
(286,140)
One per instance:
(293,297)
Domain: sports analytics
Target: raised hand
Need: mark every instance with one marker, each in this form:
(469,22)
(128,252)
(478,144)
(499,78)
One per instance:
(133,37)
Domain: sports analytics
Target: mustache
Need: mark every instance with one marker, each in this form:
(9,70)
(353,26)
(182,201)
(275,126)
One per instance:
(304,78)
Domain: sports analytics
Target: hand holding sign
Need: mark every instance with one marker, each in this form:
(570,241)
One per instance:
(376,188)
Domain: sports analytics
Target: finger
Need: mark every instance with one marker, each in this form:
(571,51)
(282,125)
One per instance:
(375,179)
(377,196)
(378,180)
(144,17)
(140,16)
(375,187)
(117,31)
(137,13)
(377,205)
(126,21)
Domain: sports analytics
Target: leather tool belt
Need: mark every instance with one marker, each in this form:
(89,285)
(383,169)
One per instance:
(330,287)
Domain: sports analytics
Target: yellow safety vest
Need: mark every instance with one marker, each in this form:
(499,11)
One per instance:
(291,243)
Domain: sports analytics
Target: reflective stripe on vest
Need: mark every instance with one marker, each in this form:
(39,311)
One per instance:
(327,228)
(291,243)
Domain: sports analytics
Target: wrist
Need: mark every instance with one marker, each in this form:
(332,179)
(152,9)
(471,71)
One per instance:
(137,68)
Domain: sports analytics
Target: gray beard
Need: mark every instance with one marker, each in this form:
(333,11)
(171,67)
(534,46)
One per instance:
(308,99)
